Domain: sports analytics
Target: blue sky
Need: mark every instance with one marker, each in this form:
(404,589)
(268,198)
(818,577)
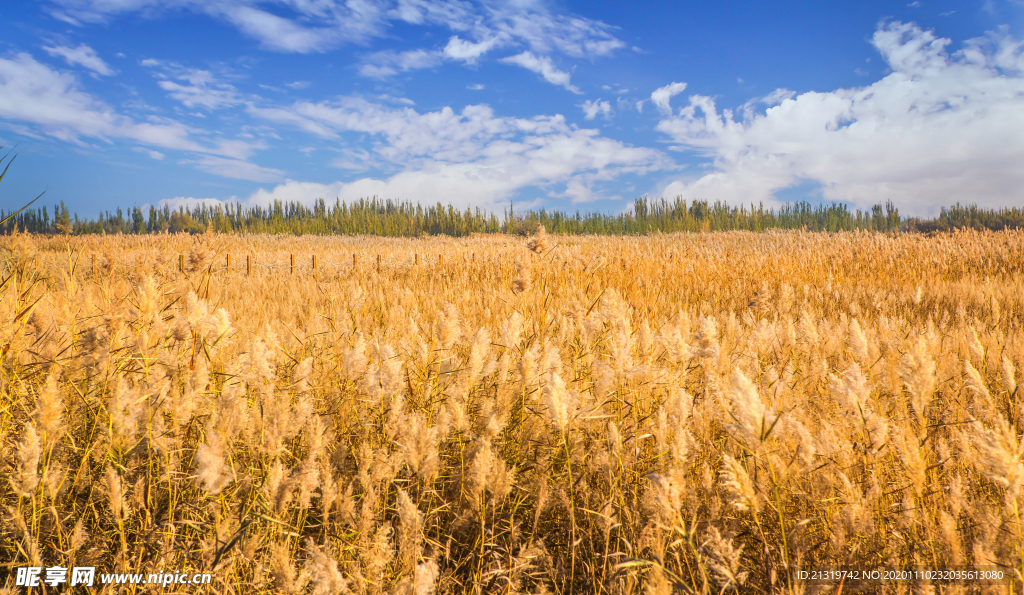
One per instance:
(569,105)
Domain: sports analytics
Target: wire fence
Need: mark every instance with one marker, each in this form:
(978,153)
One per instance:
(98,264)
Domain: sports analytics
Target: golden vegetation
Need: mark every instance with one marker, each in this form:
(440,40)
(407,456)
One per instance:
(698,413)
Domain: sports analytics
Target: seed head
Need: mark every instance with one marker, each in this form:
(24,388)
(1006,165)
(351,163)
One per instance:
(724,559)
(742,494)
(560,402)
(26,477)
(539,242)
(1009,380)
(524,278)
(49,410)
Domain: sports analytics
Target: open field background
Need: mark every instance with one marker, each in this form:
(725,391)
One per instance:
(698,412)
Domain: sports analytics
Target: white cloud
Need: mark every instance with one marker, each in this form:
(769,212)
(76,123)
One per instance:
(543,66)
(60,16)
(476,87)
(354,160)
(532,24)
(321,25)
(660,97)
(342,24)
(293,117)
(467,51)
(941,128)
(83,55)
(591,109)
(398,100)
(201,89)
(189,202)
(51,102)
(777,96)
(579,190)
(236,168)
(467,158)
(31,92)
(388,63)
(157,155)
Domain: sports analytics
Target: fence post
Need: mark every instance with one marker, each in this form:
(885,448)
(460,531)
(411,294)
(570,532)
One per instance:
(291,258)
(378,263)
(314,266)
(181,263)
(440,259)
(93,265)
(248,265)
(229,263)
(417,260)
(355,260)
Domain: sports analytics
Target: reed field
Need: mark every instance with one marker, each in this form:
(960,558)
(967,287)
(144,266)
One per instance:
(681,413)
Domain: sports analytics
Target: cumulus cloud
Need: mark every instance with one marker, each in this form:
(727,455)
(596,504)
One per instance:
(84,56)
(660,97)
(591,109)
(189,202)
(941,128)
(472,157)
(543,66)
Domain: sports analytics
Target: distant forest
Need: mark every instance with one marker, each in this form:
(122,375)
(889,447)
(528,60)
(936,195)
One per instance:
(406,219)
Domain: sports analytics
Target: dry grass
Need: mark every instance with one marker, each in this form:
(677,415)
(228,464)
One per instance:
(698,413)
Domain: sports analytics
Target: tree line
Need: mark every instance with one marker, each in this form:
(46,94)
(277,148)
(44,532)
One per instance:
(375,216)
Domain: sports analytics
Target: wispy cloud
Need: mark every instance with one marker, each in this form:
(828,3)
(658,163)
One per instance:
(543,66)
(51,102)
(82,55)
(388,63)
(468,51)
(201,89)
(326,24)
(157,155)
(32,93)
(236,168)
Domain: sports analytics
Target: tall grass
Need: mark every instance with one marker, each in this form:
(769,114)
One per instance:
(695,413)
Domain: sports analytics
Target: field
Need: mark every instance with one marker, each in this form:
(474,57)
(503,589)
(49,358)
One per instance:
(689,413)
